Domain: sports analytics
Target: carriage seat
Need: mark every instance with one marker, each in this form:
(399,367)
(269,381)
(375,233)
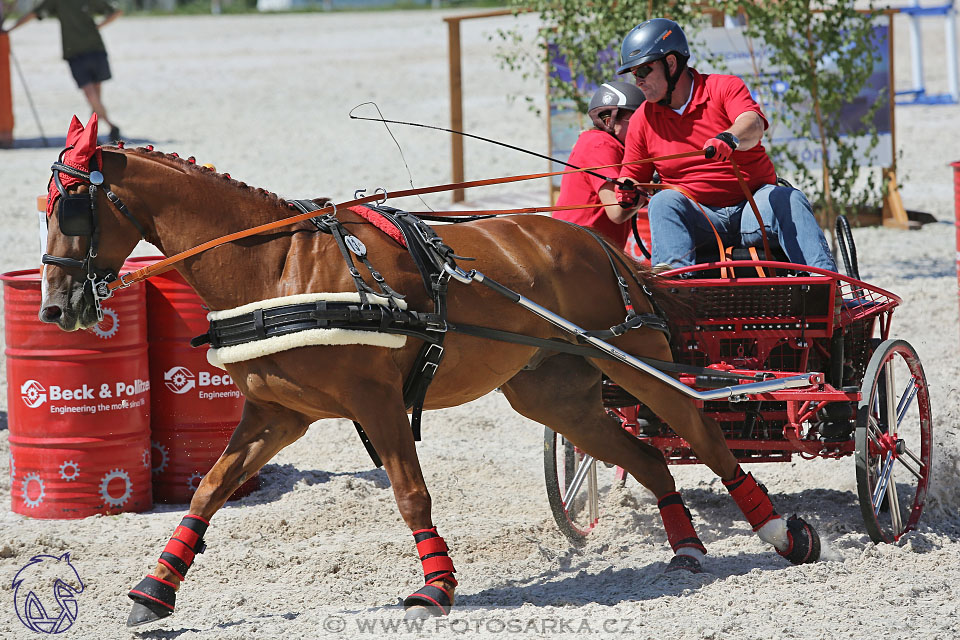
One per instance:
(711,253)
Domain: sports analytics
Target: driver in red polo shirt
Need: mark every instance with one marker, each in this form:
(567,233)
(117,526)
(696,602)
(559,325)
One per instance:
(686,111)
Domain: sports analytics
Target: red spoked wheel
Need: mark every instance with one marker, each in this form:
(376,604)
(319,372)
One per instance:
(894,441)
(576,486)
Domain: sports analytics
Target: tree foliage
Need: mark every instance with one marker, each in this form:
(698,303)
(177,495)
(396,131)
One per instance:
(824,52)
(581,30)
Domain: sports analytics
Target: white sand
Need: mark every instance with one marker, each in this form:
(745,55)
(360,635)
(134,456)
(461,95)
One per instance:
(266,98)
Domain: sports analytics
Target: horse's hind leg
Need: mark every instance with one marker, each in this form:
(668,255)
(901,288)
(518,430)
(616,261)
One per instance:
(563,393)
(794,539)
(262,432)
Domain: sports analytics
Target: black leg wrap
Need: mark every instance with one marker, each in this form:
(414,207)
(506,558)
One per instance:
(433,598)
(154,598)
(187,541)
(804,542)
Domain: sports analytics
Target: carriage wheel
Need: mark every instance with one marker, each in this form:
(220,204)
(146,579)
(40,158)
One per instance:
(576,485)
(894,441)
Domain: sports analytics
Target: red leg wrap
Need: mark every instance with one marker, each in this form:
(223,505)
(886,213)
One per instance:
(187,541)
(432,550)
(752,498)
(678,523)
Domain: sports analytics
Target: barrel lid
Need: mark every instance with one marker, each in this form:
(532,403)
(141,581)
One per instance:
(22,275)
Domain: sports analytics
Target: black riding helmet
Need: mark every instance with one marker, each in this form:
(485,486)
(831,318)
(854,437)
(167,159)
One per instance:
(655,40)
(610,98)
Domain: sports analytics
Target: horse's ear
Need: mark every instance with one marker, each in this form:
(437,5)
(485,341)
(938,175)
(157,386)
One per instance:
(65,556)
(86,143)
(74,132)
(89,137)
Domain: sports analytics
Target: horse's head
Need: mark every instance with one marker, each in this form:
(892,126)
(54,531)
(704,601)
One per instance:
(88,230)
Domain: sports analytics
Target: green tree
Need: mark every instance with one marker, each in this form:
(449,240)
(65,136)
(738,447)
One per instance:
(581,31)
(825,54)
(815,47)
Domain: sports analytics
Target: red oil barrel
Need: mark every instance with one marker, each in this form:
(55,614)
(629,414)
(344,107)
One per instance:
(79,406)
(194,406)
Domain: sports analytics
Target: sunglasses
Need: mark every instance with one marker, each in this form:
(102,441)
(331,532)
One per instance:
(642,71)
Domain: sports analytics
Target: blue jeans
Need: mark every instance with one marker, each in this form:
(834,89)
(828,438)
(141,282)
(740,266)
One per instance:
(677,227)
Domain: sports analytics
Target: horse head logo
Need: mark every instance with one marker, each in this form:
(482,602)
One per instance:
(41,582)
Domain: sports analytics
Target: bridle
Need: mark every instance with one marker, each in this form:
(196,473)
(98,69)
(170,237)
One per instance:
(77,216)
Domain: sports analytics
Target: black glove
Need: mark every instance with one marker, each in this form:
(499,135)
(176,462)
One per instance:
(721,146)
(628,195)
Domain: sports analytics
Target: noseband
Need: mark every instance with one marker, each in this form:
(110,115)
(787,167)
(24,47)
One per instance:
(77,215)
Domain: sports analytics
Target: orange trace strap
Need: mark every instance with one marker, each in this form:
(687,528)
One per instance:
(167,264)
(753,206)
(723,252)
(756,211)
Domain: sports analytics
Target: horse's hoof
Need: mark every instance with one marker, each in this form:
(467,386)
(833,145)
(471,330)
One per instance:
(153,598)
(430,599)
(804,542)
(421,613)
(144,613)
(684,563)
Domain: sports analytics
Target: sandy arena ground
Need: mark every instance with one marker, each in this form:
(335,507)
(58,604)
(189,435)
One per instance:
(320,550)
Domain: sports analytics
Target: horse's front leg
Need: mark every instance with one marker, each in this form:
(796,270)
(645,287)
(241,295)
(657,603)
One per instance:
(386,424)
(262,432)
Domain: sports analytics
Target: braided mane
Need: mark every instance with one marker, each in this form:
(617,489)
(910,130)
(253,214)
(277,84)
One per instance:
(189,165)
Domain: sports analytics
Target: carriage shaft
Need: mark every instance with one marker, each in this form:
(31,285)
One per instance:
(734,392)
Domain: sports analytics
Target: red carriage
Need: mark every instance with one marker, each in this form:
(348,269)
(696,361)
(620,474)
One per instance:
(763,320)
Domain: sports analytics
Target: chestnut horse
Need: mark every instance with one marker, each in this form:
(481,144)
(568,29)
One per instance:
(175,204)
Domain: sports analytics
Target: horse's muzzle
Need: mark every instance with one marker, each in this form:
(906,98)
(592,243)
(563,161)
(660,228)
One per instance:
(50,314)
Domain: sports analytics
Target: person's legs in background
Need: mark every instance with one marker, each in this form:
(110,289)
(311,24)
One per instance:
(90,70)
(788,218)
(678,227)
(92,93)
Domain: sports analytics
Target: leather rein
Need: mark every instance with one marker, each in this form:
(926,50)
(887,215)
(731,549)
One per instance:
(103,287)
(168,263)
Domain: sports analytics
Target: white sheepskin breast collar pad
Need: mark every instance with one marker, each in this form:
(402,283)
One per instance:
(310,337)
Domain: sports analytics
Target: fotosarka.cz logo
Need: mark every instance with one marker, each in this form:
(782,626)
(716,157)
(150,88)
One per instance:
(45,593)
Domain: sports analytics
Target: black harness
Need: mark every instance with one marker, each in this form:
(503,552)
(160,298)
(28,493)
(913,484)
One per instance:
(436,263)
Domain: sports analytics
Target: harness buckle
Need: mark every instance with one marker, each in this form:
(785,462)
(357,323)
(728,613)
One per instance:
(123,282)
(432,358)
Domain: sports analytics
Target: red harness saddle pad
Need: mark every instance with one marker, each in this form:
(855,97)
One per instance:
(381,223)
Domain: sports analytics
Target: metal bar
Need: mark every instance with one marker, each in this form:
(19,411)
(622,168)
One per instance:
(906,401)
(891,98)
(909,468)
(889,416)
(736,392)
(916,52)
(882,482)
(593,494)
(578,478)
(953,80)
(893,503)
